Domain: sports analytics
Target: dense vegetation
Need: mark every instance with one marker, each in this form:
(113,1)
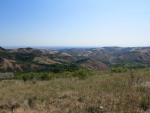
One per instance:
(70,70)
(80,73)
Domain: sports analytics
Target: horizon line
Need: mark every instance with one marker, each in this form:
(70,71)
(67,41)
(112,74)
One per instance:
(71,46)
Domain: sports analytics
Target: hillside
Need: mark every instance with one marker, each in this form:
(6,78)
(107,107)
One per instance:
(31,59)
(69,80)
(103,92)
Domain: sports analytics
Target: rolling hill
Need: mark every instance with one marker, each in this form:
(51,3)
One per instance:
(32,59)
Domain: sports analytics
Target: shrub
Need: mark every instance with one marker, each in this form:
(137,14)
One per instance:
(82,73)
(33,75)
(118,69)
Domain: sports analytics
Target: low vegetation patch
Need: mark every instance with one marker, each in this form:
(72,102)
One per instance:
(81,74)
(79,91)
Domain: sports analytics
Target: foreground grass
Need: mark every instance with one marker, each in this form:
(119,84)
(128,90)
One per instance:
(104,92)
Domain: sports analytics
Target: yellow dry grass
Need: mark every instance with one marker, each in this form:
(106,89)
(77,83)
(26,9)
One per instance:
(102,93)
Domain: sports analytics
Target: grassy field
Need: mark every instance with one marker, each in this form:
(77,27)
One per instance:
(104,92)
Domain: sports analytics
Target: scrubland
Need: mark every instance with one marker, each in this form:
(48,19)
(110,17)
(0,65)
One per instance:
(69,92)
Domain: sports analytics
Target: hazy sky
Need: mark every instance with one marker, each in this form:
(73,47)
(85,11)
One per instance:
(74,22)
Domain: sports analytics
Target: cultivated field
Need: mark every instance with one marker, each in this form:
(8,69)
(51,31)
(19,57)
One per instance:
(104,92)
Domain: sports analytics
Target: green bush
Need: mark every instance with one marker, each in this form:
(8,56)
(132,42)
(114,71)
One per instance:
(33,75)
(82,73)
(57,68)
(118,69)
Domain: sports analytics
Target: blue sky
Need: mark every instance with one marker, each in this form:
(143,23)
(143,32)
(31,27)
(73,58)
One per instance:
(74,23)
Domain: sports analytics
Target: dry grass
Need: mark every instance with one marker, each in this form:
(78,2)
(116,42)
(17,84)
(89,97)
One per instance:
(102,93)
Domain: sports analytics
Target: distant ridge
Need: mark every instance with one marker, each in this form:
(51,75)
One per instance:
(100,58)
